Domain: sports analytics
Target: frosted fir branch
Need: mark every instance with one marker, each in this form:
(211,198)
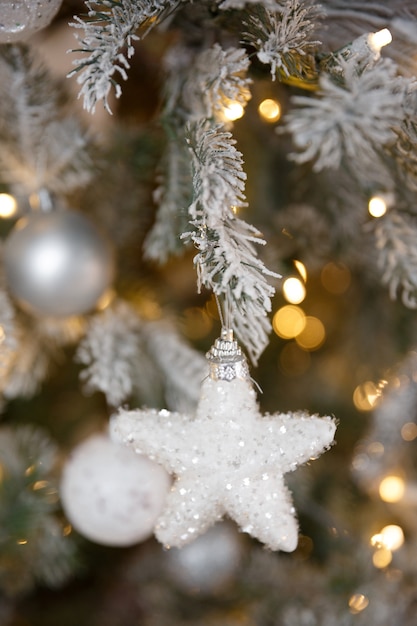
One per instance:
(217,78)
(26,366)
(34,129)
(405,149)
(8,325)
(112,353)
(405,153)
(282,38)
(110,28)
(354,121)
(271,5)
(396,243)
(172,196)
(28,503)
(182,367)
(227,262)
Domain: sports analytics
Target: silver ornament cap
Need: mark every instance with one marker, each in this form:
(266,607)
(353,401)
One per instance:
(226,359)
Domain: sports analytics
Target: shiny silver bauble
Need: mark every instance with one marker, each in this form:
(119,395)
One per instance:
(57,264)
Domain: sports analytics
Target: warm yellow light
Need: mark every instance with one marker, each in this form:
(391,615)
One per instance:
(377,206)
(313,334)
(391,488)
(379,39)
(366,396)
(67,530)
(392,537)
(21,542)
(293,290)
(409,431)
(289,321)
(233,111)
(357,603)
(269,110)
(301,269)
(8,205)
(382,557)
(376,540)
(335,277)
(106,299)
(40,484)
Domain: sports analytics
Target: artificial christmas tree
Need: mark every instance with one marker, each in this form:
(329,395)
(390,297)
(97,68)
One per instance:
(253,165)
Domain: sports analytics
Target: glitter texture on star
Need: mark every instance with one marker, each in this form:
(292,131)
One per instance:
(228,459)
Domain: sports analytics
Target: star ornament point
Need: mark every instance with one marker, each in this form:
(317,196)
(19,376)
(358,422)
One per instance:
(227,460)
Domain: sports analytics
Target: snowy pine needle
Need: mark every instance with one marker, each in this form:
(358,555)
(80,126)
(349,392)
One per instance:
(282,38)
(396,244)
(28,503)
(353,121)
(172,196)
(39,146)
(227,262)
(111,352)
(110,28)
(217,78)
(183,368)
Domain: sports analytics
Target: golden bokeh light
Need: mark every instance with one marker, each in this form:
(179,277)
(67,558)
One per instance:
(366,396)
(409,431)
(313,334)
(357,603)
(293,361)
(106,299)
(392,537)
(293,290)
(382,557)
(289,321)
(8,205)
(391,489)
(233,111)
(269,110)
(377,206)
(301,268)
(335,277)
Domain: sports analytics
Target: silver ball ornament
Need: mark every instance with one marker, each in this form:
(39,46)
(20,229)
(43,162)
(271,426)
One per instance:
(19,19)
(57,264)
(208,563)
(110,494)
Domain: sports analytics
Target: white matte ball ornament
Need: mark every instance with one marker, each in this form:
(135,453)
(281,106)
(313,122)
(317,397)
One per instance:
(19,19)
(110,494)
(57,264)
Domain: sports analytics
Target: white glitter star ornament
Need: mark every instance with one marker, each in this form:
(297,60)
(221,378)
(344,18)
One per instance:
(227,459)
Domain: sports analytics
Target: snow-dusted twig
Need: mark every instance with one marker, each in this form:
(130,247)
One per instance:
(39,147)
(396,239)
(172,196)
(353,121)
(216,79)
(112,352)
(227,262)
(282,38)
(182,367)
(110,28)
